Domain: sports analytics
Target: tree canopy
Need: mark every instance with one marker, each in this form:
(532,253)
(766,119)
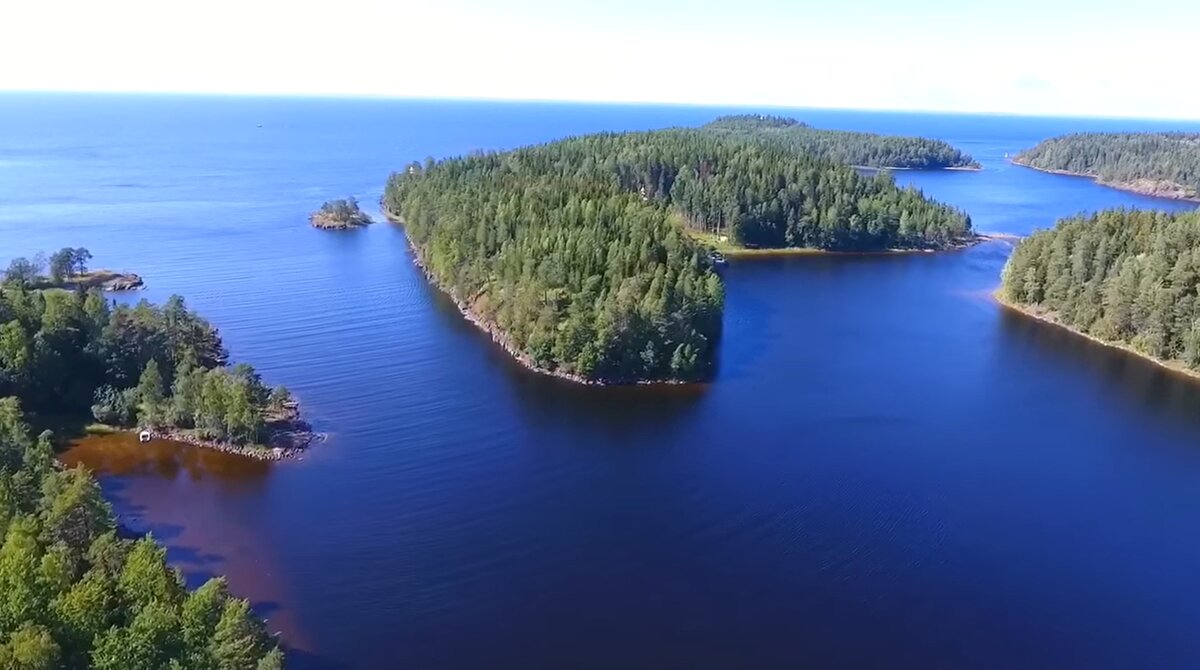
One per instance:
(1123,159)
(75,595)
(1124,276)
(846,147)
(575,252)
(67,352)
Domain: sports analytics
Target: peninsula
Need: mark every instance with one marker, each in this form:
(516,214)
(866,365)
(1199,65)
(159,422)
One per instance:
(67,268)
(159,369)
(339,215)
(868,150)
(1163,165)
(584,259)
(1125,278)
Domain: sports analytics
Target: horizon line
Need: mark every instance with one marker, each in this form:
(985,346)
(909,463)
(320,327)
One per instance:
(566,101)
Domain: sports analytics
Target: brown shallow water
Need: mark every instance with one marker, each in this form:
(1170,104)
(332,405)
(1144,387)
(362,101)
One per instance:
(170,490)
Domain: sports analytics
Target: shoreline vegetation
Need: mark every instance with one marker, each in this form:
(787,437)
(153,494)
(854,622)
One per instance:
(340,215)
(889,168)
(76,593)
(580,257)
(105,280)
(499,338)
(67,269)
(1124,278)
(1053,319)
(490,328)
(144,367)
(1168,190)
(285,436)
(724,247)
(862,150)
(1156,164)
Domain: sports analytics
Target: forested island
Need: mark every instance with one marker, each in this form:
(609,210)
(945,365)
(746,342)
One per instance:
(67,268)
(581,256)
(75,595)
(162,369)
(339,215)
(1165,165)
(1124,277)
(847,147)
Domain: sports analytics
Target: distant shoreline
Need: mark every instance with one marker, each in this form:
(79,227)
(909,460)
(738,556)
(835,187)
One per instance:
(952,168)
(1050,318)
(1167,190)
(768,252)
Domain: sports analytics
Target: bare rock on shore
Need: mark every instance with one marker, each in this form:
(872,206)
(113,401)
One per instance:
(106,280)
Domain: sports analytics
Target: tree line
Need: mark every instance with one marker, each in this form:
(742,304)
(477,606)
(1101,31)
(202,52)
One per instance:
(75,595)
(1124,276)
(574,251)
(1122,157)
(72,352)
(847,147)
(60,266)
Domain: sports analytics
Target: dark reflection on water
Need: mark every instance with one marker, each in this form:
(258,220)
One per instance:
(1168,394)
(166,489)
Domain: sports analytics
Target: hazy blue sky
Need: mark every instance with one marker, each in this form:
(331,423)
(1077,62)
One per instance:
(1092,57)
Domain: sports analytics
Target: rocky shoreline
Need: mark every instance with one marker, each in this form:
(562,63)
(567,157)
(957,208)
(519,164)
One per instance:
(1154,188)
(288,436)
(339,215)
(502,340)
(500,337)
(1051,319)
(105,280)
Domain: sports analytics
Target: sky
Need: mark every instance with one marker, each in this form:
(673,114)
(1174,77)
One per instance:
(1049,57)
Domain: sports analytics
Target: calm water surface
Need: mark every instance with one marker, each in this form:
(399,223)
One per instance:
(888,469)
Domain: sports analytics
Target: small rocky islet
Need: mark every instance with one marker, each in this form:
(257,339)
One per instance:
(342,214)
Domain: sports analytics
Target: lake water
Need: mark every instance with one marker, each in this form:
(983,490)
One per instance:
(888,469)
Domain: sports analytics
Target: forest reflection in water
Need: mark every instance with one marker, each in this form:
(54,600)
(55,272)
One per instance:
(194,501)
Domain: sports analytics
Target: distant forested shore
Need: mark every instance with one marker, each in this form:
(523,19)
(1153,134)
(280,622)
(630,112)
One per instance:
(1126,278)
(587,257)
(847,147)
(1163,164)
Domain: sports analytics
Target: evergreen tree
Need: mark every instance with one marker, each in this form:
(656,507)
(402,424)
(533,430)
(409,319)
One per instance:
(1125,276)
(151,398)
(1166,163)
(582,254)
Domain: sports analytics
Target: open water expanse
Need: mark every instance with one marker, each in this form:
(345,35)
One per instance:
(888,471)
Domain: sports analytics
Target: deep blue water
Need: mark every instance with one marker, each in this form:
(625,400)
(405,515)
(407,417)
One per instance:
(887,470)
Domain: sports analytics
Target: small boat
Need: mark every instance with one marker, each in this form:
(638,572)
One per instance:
(144,436)
(718,258)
